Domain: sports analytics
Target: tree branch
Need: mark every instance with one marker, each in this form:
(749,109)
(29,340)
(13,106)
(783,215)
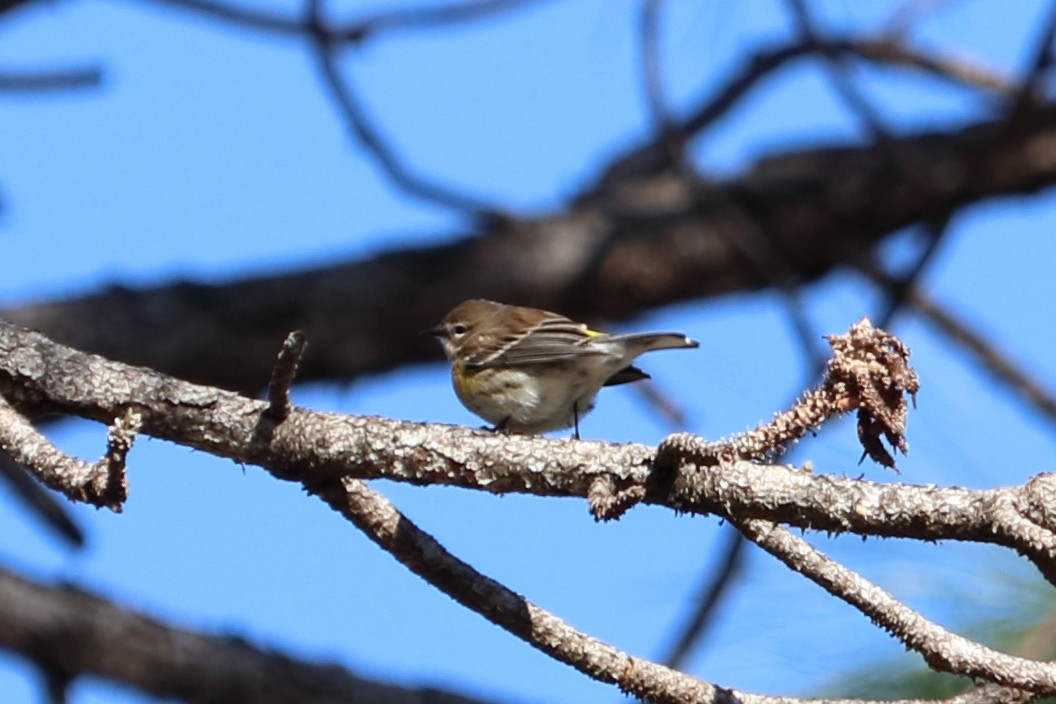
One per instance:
(100,484)
(37,81)
(329,454)
(944,651)
(66,630)
(425,17)
(654,157)
(691,475)
(820,209)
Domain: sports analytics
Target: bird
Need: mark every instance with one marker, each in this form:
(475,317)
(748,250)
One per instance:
(530,371)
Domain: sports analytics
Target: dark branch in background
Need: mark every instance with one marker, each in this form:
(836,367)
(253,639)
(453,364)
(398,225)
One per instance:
(69,631)
(837,71)
(42,504)
(908,15)
(902,288)
(988,355)
(355,31)
(747,236)
(821,208)
(710,595)
(7,6)
(38,81)
(652,157)
(369,137)
(933,229)
(1029,91)
(327,40)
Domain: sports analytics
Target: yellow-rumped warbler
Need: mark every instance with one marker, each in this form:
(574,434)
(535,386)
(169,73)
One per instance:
(526,370)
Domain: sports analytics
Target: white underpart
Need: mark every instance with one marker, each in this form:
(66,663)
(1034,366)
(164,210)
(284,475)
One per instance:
(538,400)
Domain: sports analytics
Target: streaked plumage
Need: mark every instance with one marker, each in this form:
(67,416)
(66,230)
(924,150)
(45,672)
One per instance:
(526,370)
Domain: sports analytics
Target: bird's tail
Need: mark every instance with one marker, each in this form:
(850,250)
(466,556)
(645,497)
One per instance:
(642,342)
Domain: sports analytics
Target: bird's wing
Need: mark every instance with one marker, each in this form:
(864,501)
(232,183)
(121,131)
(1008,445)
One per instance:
(551,339)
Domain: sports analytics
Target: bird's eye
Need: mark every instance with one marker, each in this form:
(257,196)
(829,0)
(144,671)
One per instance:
(458,329)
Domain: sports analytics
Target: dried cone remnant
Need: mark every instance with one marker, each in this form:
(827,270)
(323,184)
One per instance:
(869,371)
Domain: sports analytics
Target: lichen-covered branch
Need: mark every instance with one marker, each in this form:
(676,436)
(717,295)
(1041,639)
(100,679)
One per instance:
(102,483)
(944,651)
(315,448)
(329,455)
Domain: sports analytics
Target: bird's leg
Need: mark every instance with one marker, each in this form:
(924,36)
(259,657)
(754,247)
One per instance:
(575,419)
(499,427)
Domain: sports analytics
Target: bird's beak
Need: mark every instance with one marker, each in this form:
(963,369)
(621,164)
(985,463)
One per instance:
(436,331)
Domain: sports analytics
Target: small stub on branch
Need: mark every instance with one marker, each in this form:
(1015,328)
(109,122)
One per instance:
(283,374)
(608,501)
(869,371)
(109,482)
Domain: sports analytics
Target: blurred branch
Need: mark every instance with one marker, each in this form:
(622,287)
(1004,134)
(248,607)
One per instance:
(597,261)
(652,157)
(710,595)
(327,39)
(72,632)
(41,81)
(1029,93)
(370,138)
(902,288)
(9,5)
(837,71)
(39,502)
(960,333)
(934,228)
(909,14)
(426,17)
(747,237)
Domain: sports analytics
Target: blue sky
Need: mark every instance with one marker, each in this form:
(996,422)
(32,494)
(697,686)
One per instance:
(212,153)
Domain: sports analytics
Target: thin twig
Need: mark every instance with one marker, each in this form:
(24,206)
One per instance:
(370,138)
(41,81)
(903,288)
(996,361)
(359,30)
(712,590)
(960,332)
(838,76)
(710,108)
(1029,92)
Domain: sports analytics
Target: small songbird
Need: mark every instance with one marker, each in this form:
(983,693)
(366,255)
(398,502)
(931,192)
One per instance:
(526,370)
